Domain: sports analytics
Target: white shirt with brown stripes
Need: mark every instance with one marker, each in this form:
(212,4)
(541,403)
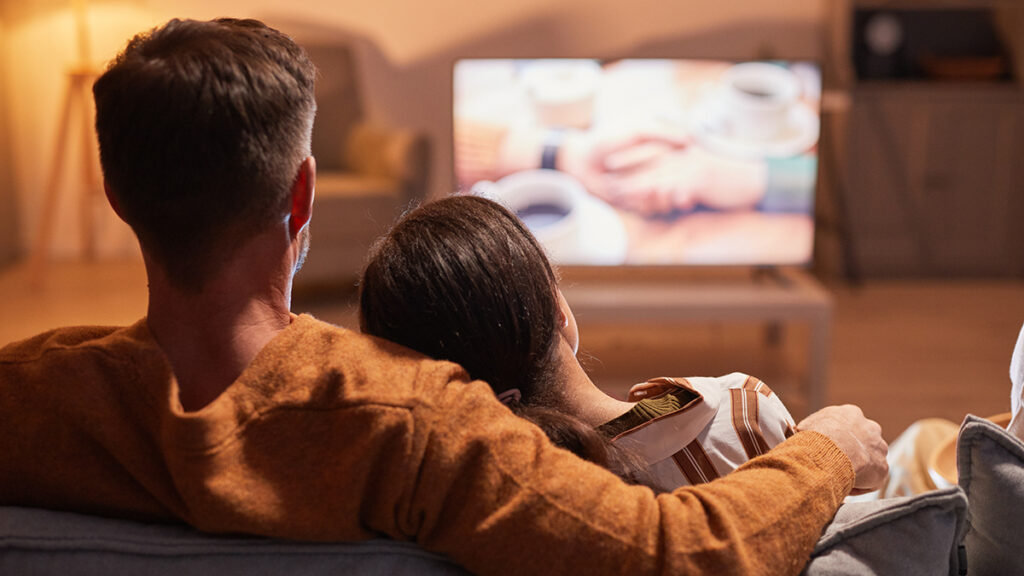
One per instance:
(724,422)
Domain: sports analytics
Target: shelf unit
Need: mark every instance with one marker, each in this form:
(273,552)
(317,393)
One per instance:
(933,184)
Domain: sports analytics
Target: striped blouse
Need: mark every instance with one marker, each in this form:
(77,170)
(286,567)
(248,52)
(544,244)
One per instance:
(693,430)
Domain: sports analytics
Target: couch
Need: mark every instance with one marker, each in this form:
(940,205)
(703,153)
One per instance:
(902,536)
(367,173)
(990,468)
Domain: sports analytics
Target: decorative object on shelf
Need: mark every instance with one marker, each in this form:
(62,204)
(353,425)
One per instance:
(928,43)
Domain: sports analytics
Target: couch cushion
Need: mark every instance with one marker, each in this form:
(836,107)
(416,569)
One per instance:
(990,464)
(46,542)
(898,536)
(894,536)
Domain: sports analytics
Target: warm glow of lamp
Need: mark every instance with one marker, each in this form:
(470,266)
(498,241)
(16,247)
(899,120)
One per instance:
(46,60)
(80,8)
(76,96)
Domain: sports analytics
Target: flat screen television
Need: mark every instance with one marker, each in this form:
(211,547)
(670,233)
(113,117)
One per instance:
(645,161)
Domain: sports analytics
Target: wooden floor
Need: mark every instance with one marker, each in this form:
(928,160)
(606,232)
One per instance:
(901,350)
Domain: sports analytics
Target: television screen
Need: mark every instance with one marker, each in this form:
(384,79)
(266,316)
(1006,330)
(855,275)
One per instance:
(644,161)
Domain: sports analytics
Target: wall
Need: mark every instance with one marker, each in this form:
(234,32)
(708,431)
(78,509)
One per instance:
(9,239)
(407,31)
(405,50)
(42,50)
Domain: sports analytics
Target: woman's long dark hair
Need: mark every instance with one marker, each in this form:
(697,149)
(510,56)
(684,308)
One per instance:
(462,279)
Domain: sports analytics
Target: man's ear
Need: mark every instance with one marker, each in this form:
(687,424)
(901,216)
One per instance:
(112,200)
(302,192)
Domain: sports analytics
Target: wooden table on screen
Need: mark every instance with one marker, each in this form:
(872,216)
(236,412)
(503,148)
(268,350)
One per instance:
(774,297)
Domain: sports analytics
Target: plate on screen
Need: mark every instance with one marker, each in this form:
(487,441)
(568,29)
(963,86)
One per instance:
(713,129)
(602,236)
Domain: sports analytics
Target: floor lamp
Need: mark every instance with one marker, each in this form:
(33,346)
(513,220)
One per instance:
(78,96)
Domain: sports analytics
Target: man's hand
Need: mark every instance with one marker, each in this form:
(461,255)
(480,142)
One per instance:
(860,438)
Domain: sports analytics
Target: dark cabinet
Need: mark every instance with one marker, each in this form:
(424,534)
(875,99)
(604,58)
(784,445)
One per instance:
(936,179)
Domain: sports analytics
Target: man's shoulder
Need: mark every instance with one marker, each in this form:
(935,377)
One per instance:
(70,340)
(311,340)
(372,368)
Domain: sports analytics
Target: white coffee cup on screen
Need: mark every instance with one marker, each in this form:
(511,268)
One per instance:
(562,92)
(548,202)
(757,99)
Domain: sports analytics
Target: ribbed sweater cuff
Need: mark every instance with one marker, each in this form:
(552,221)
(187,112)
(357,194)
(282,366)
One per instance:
(827,455)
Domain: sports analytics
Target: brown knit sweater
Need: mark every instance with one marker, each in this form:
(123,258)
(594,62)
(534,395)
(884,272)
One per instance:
(331,435)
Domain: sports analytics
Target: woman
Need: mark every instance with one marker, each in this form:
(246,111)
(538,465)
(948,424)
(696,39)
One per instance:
(462,279)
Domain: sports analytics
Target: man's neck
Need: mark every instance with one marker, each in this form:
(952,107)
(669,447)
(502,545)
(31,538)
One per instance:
(211,336)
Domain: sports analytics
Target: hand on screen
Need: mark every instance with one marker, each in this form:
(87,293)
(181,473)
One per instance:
(596,158)
(683,179)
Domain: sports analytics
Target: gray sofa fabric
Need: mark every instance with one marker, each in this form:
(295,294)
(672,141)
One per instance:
(899,536)
(36,541)
(990,464)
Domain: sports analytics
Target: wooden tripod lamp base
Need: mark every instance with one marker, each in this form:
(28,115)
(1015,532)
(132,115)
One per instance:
(77,95)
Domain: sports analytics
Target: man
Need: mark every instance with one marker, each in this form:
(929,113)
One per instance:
(222,409)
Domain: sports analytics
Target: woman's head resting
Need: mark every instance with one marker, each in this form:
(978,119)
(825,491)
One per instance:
(462,279)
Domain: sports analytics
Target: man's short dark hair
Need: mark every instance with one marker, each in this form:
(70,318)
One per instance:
(202,128)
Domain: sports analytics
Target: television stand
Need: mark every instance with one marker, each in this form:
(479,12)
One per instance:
(775,297)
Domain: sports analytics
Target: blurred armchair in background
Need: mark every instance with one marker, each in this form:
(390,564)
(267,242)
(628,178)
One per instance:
(367,173)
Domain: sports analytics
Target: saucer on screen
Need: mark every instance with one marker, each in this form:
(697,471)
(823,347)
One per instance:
(712,128)
(602,236)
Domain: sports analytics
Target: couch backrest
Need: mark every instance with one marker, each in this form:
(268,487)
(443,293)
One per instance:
(894,537)
(47,542)
(990,463)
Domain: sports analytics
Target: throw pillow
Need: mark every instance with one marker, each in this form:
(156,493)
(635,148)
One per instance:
(894,536)
(990,464)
